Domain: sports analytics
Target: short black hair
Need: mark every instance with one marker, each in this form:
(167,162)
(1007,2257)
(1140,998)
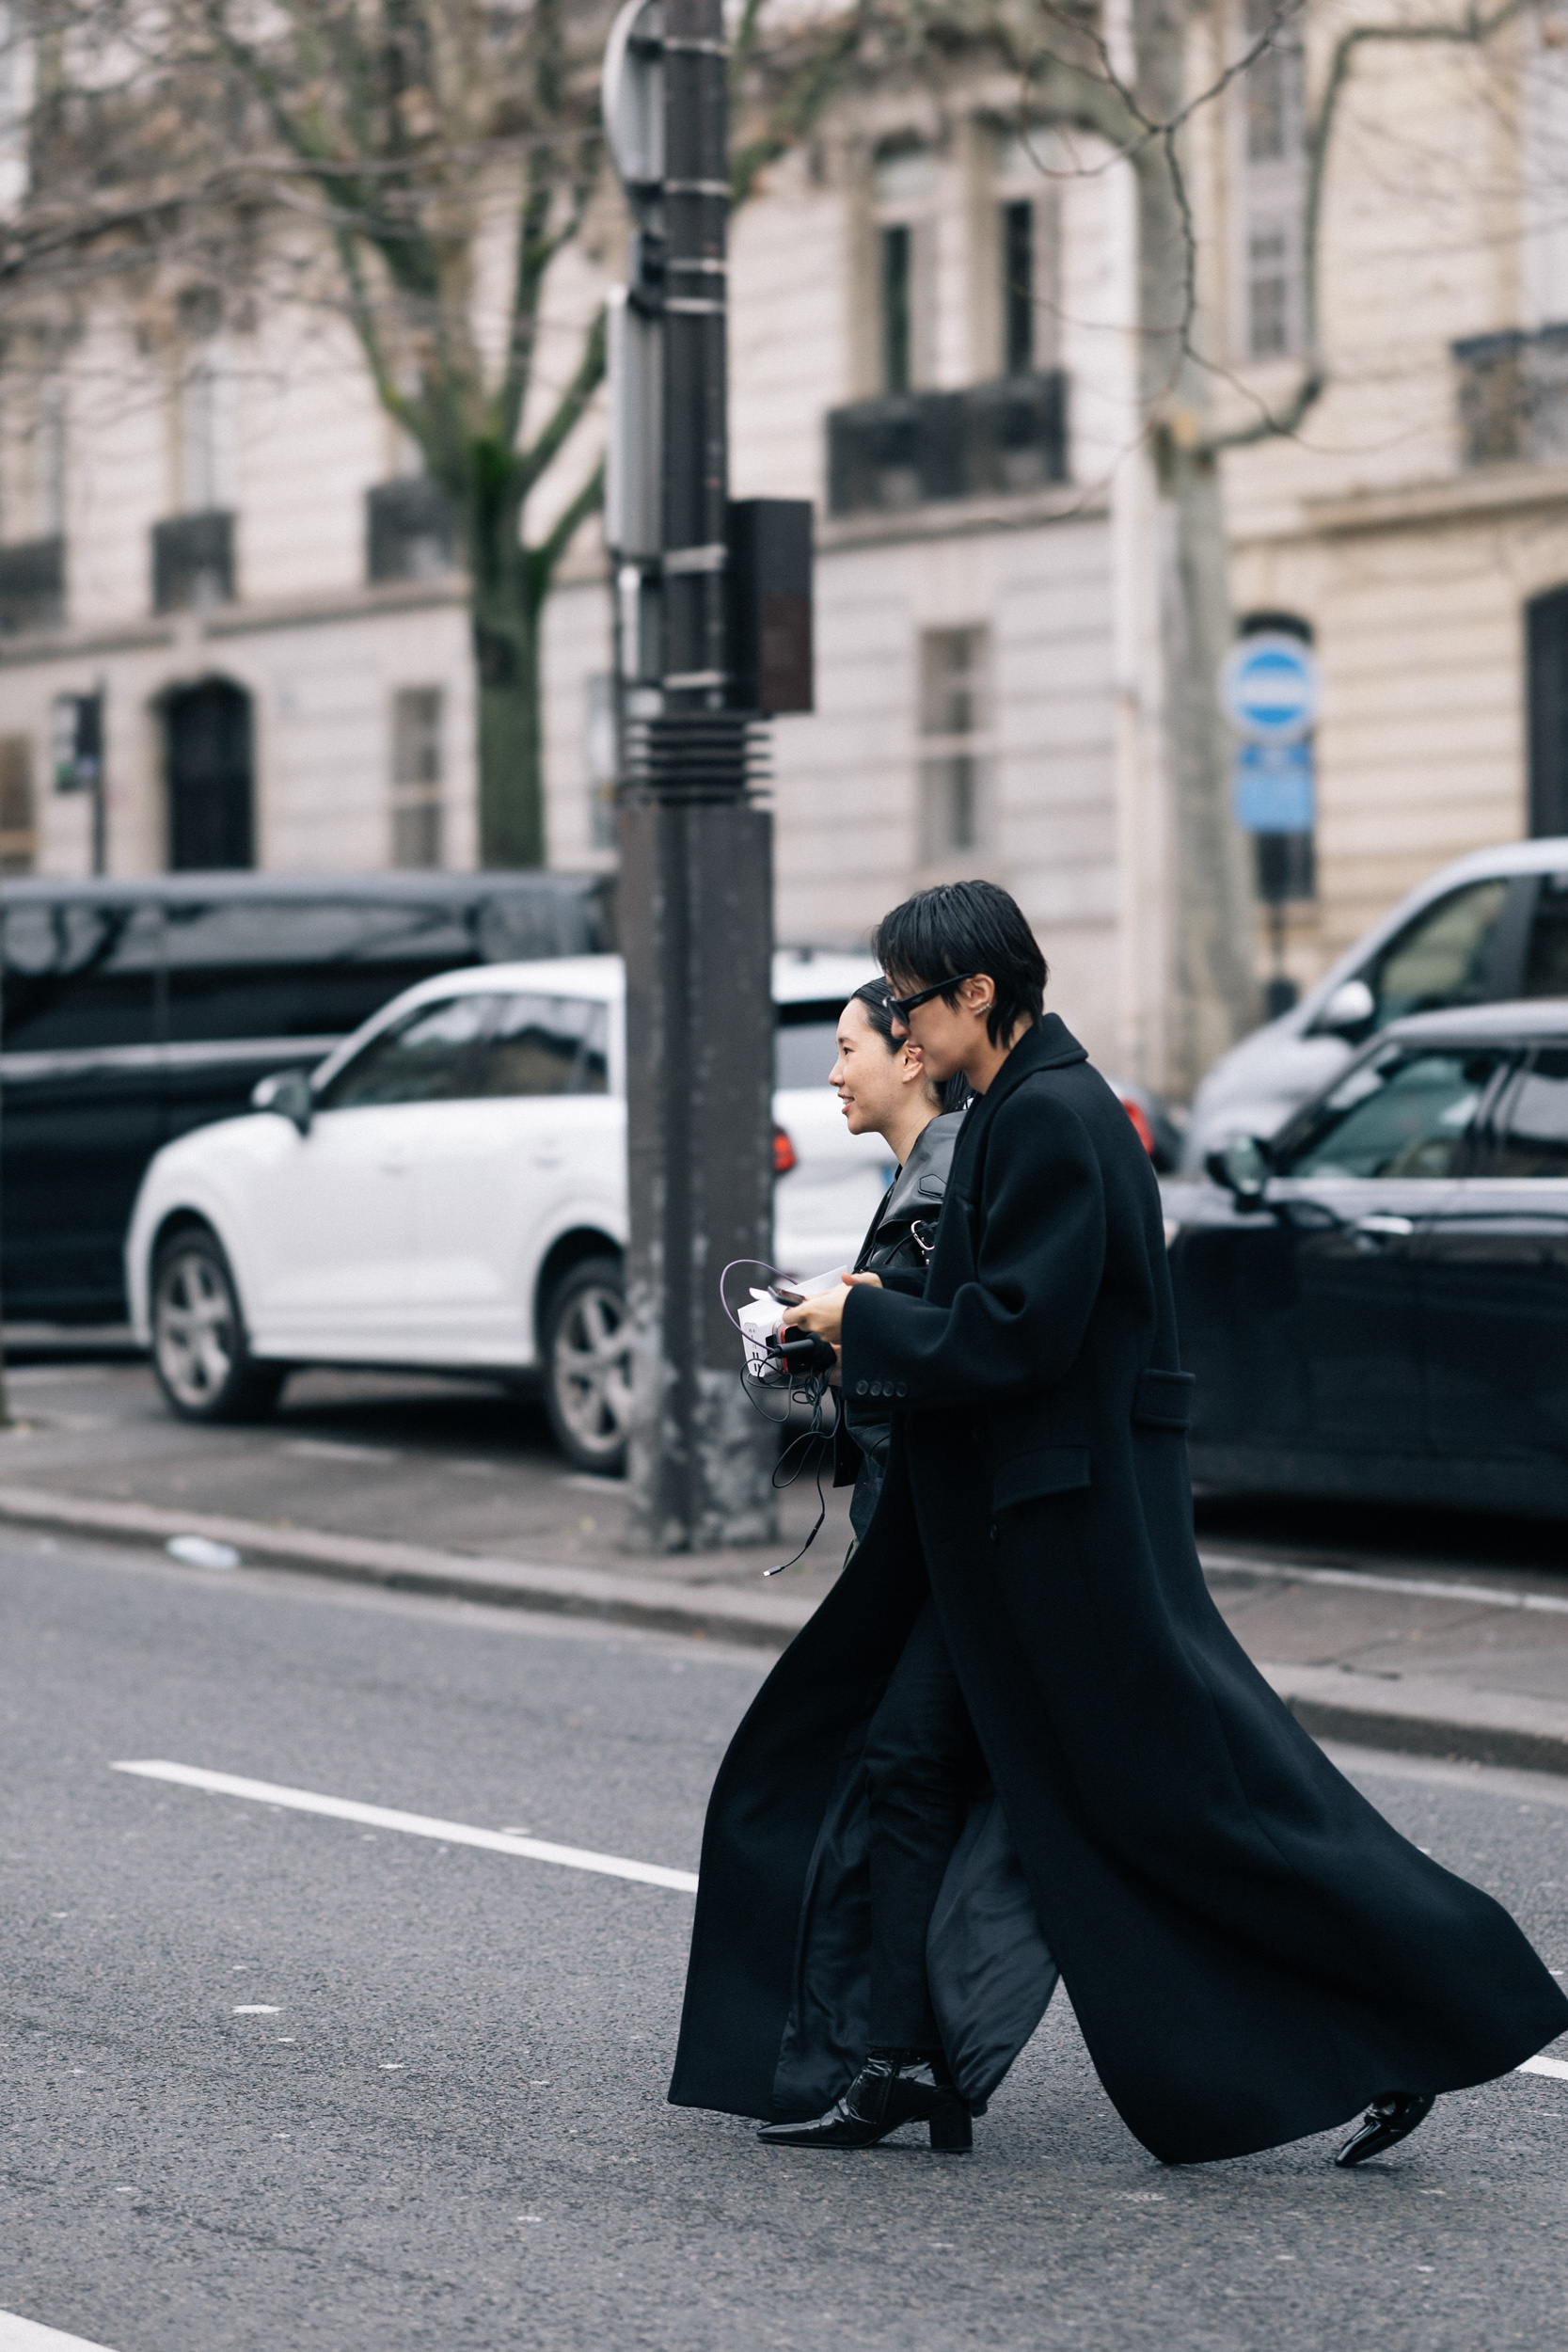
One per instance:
(953,1093)
(967,926)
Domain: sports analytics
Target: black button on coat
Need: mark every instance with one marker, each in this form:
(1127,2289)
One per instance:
(1252,1952)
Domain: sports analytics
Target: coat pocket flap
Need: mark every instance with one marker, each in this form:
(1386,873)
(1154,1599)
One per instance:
(1163,1400)
(1052,1470)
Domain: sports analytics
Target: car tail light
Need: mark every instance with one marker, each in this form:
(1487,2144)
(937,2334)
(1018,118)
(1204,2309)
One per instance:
(783,1151)
(1139,1117)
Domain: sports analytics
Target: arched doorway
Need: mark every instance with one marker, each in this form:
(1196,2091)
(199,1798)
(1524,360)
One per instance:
(211,776)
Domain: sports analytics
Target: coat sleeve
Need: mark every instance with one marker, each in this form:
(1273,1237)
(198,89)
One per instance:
(1019,1323)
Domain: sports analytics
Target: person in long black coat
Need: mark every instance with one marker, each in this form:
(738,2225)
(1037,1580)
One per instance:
(1252,1952)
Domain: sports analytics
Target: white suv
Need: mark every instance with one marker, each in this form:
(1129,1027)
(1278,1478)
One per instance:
(448,1190)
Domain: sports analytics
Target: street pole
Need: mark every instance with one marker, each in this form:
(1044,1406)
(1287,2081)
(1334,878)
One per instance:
(696,847)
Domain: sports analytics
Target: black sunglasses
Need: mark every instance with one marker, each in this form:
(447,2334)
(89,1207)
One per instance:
(901,1007)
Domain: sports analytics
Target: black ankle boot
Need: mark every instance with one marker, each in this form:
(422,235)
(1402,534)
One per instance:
(1388,2120)
(894,2087)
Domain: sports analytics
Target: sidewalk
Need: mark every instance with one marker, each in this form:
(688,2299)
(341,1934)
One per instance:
(429,1486)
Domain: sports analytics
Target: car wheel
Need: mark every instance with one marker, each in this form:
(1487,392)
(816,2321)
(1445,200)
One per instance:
(199,1352)
(587,1349)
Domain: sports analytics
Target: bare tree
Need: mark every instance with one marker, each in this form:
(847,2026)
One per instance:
(1129,79)
(394,162)
(1216,990)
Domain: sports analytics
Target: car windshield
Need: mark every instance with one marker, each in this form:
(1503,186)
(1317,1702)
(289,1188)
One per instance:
(1404,1113)
(1442,958)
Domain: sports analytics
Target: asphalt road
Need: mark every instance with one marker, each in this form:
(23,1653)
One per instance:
(278,2081)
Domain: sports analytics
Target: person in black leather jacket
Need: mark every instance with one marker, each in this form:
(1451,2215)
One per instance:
(885,1091)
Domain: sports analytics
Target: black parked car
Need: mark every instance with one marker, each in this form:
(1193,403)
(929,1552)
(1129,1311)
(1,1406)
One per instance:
(1375,1303)
(133,1010)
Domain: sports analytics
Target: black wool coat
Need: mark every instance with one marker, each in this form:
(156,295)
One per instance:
(1252,1952)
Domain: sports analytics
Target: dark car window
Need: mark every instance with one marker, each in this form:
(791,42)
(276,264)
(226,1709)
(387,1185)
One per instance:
(1405,1113)
(805,1043)
(79,974)
(1534,1136)
(1547,956)
(1442,958)
(548,1045)
(435,1053)
(303,967)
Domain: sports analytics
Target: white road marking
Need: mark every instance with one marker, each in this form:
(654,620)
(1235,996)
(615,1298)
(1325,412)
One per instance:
(413,1825)
(454,1834)
(334,1450)
(25,2335)
(257,2009)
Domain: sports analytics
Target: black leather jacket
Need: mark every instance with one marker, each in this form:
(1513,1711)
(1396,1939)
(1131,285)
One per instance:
(899,1243)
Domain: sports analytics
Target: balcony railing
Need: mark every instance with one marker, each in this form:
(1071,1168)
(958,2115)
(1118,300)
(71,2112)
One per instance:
(911,449)
(32,585)
(1513,396)
(410,533)
(192,562)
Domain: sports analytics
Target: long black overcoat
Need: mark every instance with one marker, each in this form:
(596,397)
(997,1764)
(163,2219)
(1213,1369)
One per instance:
(1252,1952)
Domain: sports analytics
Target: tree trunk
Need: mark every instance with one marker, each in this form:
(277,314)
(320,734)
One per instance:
(1212,981)
(507,604)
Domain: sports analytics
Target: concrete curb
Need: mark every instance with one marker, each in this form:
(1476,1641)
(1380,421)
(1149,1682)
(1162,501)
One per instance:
(1426,1716)
(1421,1717)
(766,1620)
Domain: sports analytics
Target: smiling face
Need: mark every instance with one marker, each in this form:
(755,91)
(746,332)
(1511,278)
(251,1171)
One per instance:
(945,1034)
(875,1082)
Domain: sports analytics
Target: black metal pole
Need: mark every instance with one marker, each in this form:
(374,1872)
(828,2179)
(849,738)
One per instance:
(695,900)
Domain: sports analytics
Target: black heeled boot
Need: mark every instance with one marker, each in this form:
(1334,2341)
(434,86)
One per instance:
(1388,2120)
(894,2087)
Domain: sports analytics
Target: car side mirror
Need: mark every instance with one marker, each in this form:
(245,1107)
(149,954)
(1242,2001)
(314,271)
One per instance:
(1350,1008)
(287,1094)
(1242,1166)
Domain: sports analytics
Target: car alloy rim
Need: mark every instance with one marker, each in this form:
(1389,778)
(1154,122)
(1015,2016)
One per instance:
(592,1370)
(195,1328)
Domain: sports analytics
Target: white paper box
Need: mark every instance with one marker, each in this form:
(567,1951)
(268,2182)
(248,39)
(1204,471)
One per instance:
(765,1313)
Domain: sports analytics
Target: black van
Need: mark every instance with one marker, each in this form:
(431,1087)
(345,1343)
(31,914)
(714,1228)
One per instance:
(130,1011)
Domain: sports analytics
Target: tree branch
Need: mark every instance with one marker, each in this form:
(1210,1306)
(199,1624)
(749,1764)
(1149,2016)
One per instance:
(569,411)
(543,559)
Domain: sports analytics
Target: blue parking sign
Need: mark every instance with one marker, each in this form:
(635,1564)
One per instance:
(1272,786)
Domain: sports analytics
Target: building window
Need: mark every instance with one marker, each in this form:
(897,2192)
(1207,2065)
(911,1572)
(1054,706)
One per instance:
(18,809)
(410,530)
(206,439)
(904,191)
(1547,665)
(896,353)
(193,563)
(1018,288)
(417,776)
(1272,168)
(954,746)
(1028,259)
(32,585)
(1268,293)
(49,460)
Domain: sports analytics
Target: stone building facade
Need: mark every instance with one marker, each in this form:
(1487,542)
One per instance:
(206,520)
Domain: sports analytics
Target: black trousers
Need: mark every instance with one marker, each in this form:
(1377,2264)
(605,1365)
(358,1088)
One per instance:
(921,1757)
